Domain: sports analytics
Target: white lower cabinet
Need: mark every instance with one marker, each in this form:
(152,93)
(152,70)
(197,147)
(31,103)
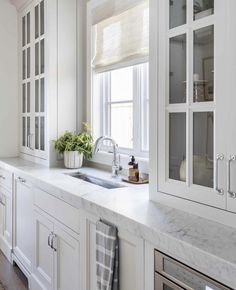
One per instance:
(131,257)
(56,257)
(6,222)
(23,225)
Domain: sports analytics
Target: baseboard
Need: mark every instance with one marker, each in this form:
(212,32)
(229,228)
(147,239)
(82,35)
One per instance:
(22,268)
(6,249)
(36,284)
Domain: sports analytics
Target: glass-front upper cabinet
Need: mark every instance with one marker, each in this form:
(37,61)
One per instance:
(191,147)
(33,80)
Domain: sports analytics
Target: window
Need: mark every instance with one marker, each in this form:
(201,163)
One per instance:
(120,76)
(124,109)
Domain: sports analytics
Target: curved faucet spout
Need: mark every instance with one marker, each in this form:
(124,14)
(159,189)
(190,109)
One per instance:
(115,163)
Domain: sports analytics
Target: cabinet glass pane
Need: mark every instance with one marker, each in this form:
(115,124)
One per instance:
(23,65)
(36,58)
(28,28)
(202,8)
(177,13)
(42,134)
(36,11)
(23,31)
(37,96)
(177,73)
(203,148)
(23,98)
(166,287)
(28,131)
(28,62)
(42,18)
(23,131)
(42,56)
(37,133)
(177,146)
(203,78)
(42,96)
(28,97)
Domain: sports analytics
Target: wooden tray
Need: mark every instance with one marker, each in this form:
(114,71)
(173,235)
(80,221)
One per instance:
(141,181)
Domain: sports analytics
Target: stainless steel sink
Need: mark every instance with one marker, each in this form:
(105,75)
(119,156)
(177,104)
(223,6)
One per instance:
(98,181)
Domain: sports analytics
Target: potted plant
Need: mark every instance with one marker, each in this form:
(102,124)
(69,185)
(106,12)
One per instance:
(75,146)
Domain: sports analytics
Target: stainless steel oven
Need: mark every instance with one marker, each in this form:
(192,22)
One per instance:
(173,275)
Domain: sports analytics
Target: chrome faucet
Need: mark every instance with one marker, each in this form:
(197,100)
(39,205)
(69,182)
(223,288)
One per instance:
(116,167)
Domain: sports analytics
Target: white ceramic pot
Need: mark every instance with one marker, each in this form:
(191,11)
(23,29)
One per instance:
(73,159)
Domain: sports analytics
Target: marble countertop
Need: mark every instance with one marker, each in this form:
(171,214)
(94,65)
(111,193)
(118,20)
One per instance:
(204,245)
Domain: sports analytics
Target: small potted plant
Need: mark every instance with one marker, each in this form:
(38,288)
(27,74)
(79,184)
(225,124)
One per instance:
(75,146)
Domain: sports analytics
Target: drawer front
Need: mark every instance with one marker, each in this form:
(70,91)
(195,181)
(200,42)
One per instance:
(161,283)
(58,209)
(183,275)
(6,178)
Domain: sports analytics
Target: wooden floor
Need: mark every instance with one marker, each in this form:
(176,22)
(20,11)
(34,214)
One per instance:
(11,276)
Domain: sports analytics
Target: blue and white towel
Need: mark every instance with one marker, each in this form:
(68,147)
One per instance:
(107,256)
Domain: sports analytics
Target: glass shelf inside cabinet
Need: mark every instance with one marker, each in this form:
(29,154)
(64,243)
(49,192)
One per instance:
(203,8)
(177,13)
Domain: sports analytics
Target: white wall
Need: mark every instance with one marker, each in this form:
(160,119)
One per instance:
(8,80)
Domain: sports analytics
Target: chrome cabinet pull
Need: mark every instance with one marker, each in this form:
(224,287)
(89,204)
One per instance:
(20,179)
(54,242)
(219,157)
(231,193)
(50,240)
(2,177)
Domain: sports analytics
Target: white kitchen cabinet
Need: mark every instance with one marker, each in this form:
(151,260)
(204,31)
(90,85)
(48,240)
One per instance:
(6,222)
(6,179)
(131,257)
(195,66)
(23,225)
(56,256)
(46,95)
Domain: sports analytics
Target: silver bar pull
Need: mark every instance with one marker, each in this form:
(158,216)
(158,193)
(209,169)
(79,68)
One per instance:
(2,177)
(219,157)
(54,242)
(231,193)
(20,179)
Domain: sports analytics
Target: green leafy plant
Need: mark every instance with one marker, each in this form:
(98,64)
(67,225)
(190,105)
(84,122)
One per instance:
(81,142)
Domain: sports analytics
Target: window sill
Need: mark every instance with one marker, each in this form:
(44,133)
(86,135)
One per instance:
(105,158)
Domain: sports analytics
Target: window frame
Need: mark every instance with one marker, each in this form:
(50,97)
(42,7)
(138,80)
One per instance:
(140,77)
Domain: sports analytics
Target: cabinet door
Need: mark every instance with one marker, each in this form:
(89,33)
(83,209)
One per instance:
(192,148)
(6,221)
(131,258)
(231,104)
(23,223)
(42,277)
(131,261)
(66,270)
(33,103)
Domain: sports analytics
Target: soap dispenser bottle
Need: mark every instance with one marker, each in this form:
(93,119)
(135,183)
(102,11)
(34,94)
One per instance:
(133,170)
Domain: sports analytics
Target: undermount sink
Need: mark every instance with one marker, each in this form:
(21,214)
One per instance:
(98,181)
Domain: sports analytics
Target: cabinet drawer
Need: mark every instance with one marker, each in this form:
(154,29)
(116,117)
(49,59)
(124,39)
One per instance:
(6,178)
(58,209)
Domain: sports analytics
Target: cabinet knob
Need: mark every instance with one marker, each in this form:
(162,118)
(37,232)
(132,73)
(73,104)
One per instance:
(20,179)
(2,177)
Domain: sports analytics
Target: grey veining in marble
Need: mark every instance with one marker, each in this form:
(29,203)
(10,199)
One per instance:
(205,245)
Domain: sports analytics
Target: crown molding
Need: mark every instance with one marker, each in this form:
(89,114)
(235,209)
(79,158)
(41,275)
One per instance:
(19,3)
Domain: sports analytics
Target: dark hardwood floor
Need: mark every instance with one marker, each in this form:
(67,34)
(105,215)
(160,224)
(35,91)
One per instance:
(11,276)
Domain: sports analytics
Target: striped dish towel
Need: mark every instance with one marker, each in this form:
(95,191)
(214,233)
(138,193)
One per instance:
(107,256)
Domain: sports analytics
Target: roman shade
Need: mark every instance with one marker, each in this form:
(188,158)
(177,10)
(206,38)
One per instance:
(122,38)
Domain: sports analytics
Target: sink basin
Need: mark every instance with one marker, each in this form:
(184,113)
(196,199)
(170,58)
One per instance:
(98,181)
